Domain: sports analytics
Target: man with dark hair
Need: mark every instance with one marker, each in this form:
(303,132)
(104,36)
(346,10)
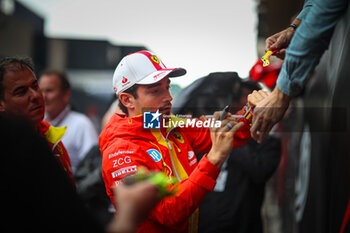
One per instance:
(21,64)
(131,91)
(81,134)
(20,96)
(126,144)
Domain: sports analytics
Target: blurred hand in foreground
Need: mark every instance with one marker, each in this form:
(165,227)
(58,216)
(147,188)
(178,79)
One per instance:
(134,203)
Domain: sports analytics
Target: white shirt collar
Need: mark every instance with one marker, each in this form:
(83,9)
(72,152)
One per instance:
(59,118)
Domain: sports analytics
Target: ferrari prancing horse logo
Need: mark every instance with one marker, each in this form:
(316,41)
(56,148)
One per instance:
(179,137)
(155,59)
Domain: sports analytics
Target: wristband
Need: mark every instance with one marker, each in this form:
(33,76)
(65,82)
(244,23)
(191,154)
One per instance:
(293,26)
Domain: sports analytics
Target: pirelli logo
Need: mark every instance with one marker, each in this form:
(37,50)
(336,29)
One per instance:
(124,171)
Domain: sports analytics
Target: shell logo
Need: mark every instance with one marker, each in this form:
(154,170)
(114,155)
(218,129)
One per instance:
(124,80)
(190,155)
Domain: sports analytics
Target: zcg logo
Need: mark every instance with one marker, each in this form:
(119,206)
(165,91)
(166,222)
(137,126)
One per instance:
(121,161)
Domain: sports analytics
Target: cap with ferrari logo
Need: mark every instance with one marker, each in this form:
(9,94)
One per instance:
(142,67)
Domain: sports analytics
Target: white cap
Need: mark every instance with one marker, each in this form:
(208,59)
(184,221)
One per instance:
(142,67)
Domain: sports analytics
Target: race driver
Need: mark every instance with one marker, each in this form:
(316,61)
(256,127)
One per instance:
(141,82)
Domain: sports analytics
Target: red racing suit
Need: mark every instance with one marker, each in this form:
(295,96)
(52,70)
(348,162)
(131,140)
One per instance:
(125,146)
(53,137)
